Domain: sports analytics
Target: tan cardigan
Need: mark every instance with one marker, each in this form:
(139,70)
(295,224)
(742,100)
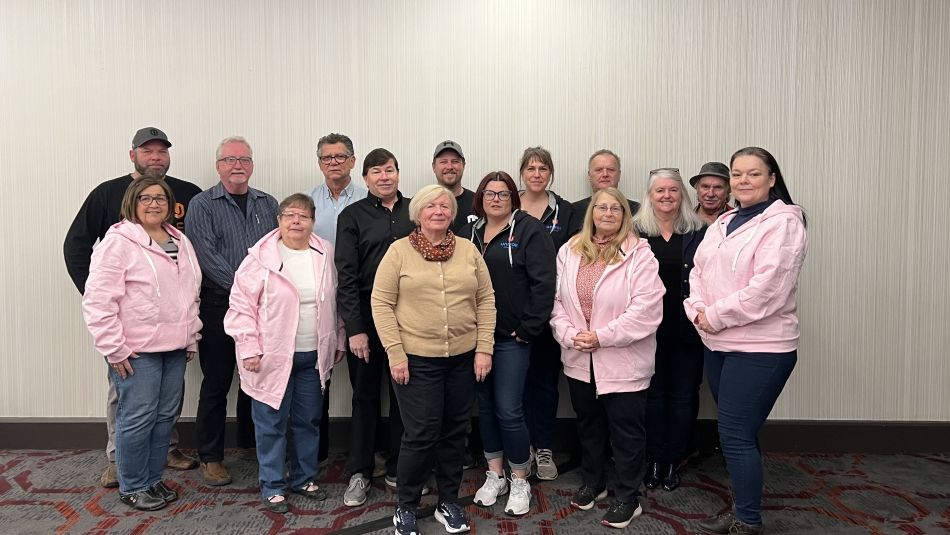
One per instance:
(433,309)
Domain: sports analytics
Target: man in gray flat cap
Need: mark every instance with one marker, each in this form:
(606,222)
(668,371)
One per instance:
(712,191)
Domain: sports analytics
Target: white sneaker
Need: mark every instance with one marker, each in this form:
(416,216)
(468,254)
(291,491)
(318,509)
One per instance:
(494,486)
(519,501)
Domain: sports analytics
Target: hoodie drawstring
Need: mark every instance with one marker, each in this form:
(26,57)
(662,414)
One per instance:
(158,288)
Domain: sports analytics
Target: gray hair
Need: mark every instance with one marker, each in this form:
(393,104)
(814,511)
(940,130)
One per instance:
(333,139)
(427,194)
(602,152)
(686,219)
(232,139)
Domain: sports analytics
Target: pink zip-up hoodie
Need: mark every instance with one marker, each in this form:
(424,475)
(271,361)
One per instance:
(264,311)
(746,282)
(628,308)
(137,298)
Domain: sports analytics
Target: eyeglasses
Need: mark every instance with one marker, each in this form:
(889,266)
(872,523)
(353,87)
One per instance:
(603,209)
(501,195)
(665,169)
(290,216)
(146,200)
(338,158)
(231,160)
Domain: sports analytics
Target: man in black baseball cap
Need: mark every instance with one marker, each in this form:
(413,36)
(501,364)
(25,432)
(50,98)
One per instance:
(712,191)
(150,157)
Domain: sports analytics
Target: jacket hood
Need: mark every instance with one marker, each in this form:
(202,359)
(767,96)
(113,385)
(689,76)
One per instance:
(137,233)
(265,251)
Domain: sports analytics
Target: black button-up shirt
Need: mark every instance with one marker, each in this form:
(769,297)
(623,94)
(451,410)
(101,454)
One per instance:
(364,232)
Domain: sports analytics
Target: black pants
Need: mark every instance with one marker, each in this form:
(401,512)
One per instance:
(366,379)
(541,389)
(607,420)
(435,407)
(217,359)
(673,399)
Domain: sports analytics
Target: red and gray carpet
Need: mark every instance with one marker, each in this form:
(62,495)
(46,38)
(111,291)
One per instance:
(57,492)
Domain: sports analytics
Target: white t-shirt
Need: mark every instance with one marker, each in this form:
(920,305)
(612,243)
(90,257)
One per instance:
(298,266)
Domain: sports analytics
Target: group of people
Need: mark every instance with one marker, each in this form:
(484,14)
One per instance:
(455,295)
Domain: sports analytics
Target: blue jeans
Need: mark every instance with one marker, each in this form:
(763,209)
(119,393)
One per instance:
(500,405)
(301,408)
(149,401)
(745,387)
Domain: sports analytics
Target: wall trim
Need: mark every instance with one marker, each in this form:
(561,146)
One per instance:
(776,436)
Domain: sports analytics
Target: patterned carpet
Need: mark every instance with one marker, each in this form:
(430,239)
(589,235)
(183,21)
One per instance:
(57,492)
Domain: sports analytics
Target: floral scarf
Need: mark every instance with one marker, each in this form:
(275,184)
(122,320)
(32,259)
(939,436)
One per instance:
(439,252)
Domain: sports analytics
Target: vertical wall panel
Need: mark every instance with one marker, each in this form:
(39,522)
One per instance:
(849,95)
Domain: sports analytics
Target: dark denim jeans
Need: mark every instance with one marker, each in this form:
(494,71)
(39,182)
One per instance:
(745,387)
(149,401)
(299,413)
(500,405)
(541,394)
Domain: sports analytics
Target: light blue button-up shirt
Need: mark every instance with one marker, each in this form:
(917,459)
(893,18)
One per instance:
(328,208)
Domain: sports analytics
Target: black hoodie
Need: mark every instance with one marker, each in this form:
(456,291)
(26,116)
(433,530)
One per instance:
(558,219)
(522,263)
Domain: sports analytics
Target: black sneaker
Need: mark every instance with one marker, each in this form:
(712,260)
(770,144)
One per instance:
(585,497)
(162,491)
(452,517)
(142,501)
(620,514)
(405,522)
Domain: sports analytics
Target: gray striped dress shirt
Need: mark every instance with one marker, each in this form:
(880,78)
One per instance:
(222,234)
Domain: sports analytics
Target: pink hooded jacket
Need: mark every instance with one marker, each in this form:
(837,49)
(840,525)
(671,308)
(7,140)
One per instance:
(628,307)
(137,298)
(746,282)
(264,311)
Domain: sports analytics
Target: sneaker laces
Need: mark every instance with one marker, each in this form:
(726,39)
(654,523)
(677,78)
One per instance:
(521,488)
(407,519)
(355,481)
(544,456)
(453,509)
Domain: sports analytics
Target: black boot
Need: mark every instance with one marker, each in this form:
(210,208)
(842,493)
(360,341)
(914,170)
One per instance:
(652,479)
(671,478)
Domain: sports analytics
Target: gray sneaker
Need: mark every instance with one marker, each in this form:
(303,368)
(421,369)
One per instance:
(547,470)
(355,494)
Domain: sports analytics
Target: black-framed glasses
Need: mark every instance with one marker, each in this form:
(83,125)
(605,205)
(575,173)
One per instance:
(338,158)
(501,195)
(146,200)
(231,160)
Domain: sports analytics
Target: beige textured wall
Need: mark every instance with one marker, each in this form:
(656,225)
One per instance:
(851,96)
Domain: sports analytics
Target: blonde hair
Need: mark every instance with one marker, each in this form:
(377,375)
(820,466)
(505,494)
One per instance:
(583,244)
(686,219)
(427,194)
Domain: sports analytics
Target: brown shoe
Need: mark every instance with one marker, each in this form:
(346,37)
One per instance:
(215,474)
(179,461)
(109,479)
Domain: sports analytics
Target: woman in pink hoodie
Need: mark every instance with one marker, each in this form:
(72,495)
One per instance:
(287,337)
(141,306)
(742,302)
(608,305)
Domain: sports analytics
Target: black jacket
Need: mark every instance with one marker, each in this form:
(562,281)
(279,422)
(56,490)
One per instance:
(524,281)
(580,210)
(364,232)
(100,211)
(558,218)
(466,207)
(680,291)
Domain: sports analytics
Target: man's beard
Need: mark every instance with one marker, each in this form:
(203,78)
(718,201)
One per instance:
(150,172)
